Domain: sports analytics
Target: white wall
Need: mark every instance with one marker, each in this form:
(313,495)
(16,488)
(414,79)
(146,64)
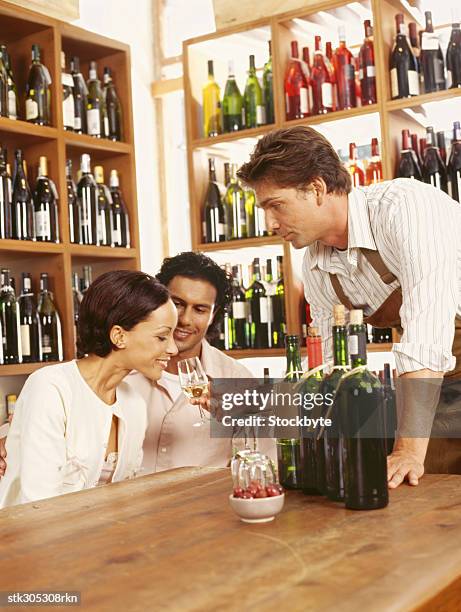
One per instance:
(132,23)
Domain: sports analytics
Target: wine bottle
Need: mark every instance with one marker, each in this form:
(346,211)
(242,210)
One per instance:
(23,219)
(257,298)
(6,226)
(87,193)
(80,92)
(442,146)
(332,438)
(29,322)
(235,203)
(45,205)
(390,413)
(432,63)
(68,105)
(416,50)
(214,217)
(121,220)
(422,148)
(9,312)
(367,69)
(408,164)
(87,278)
(434,169)
(307,69)
(240,331)
(403,64)
(232,104)
(255,112)
(356,172)
(96,114)
(269,286)
(13,104)
(454,53)
(258,219)
(105,214)
(454,163)
(211,96)
(50,323)
(268,91)
(296,87)
(113,107)
(312,449)
(328,59)
(322,89)
(77,298)
(345,75)
(38,91)
(416,149)
(288,449)
(74,207)
(4,100)
(225,339)
(374,173)
(360,401)
(278,306)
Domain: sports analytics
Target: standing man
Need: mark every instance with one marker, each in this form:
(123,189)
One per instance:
(200,289)
(390,249)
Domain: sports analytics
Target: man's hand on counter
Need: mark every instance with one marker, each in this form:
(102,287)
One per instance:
(2,457)
(406,461)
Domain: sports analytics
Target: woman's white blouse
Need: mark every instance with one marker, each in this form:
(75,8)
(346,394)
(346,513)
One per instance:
(58,438)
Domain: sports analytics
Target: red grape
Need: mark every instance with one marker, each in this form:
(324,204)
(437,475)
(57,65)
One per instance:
(246,495)
(261,493)
(238,492)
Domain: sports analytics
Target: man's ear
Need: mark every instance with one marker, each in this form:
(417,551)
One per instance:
(320,189)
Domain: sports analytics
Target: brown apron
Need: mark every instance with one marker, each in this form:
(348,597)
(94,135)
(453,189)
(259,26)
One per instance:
(443,454)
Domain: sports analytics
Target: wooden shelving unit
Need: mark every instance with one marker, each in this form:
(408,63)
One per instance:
(22,28)
(387,116)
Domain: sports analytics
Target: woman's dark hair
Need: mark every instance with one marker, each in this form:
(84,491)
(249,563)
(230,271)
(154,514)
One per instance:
(294,157)
(122,297)
(199,266)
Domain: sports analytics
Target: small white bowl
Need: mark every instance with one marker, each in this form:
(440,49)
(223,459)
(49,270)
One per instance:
(260,510)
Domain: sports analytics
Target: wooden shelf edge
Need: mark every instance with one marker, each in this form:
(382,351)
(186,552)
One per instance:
(244,243)
(83,141)
(83,250)
(17,126)
(251,353)
(23,369)
(336,116)
(200,143)
(29,246)
(385,347)
(437,96)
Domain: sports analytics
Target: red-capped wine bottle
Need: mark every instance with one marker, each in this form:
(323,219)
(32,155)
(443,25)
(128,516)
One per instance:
(345,75)
(356,172)
(367,69)
(434,169)
(322,87)
(296,87)
(408,164)
(416,149)
(454,53)
(432,63)
(404,68)
(454,163)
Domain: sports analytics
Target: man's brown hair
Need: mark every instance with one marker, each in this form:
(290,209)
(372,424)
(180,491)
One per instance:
(294,157)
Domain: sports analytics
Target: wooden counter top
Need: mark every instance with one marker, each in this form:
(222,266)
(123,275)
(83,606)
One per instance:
(171,542)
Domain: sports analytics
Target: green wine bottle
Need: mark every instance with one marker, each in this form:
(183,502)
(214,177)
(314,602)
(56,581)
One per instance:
(50,323)
(211,96)
(250,206)
(9,312)
(236,209)
(232,104)
(96,113)
(13,104)
(38,95)
(268,89)
(279,306)
(4,99)
(253,98)
(288,449)
(240,326)
(257,298)
(361,406)
(332,439)
(312,461)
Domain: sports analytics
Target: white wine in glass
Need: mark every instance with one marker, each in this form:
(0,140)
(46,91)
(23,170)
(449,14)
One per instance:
(194,382)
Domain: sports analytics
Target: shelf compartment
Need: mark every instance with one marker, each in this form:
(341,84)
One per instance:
(20,248)
(31,131)
(418,101)
(87,144)
(232,137)
(340,115)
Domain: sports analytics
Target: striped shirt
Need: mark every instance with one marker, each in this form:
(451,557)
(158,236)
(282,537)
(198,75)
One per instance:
(416,228)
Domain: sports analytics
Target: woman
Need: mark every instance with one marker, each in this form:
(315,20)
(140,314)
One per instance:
(78,424)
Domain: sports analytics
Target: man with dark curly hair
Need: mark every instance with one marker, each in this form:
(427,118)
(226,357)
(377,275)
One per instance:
(200,289)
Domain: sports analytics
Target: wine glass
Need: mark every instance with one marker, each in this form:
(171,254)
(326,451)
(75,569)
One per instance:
(194,382)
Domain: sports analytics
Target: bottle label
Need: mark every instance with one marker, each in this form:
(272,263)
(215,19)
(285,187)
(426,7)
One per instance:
(117,237)
(25,340)
(94,122)
(239,310)
(77,123)
(367,72)
(204,230)
(270,310)
(42,224)
(449,78)
(31,109)
(106,126)
(66,79)
(221,229)
(327,95)
(304,100)
(99,223)
(450,189)
(311,98)
(429,41)
(287,103)
(394,83)
(46,344)
(353,345)
(263,310)
(68,111)
(12,110)
(260,115)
